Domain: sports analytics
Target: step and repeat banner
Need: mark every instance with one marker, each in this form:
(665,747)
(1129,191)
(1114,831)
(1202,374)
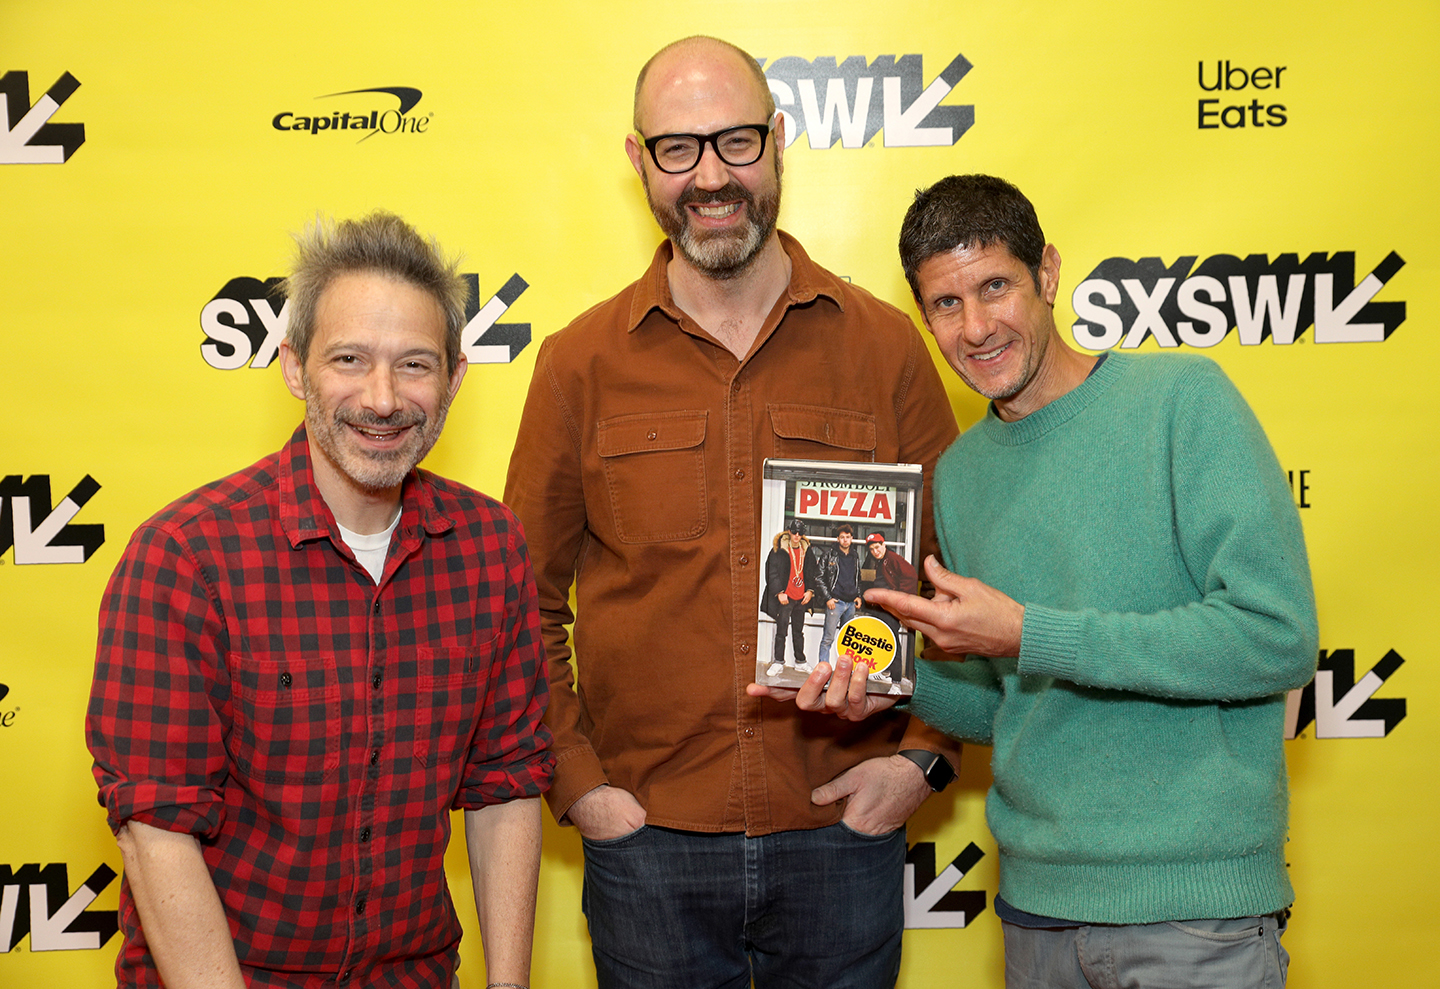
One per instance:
(1253,182)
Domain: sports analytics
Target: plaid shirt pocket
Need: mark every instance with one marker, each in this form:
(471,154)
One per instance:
(450,689)
(287,718)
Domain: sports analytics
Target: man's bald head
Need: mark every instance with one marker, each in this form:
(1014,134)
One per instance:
(703,46)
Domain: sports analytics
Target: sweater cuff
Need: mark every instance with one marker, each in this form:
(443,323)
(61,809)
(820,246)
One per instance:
(1049,639)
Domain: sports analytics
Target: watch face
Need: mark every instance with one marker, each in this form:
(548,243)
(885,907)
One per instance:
(937,769)
(940,773)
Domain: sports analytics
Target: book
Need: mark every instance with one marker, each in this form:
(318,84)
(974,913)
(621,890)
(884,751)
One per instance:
(829,531)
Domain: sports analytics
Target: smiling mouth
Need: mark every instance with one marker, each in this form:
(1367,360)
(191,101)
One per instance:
(715,212)
(990,355)
(381,435)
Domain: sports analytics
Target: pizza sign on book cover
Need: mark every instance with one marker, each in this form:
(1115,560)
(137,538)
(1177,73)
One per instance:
(830,531)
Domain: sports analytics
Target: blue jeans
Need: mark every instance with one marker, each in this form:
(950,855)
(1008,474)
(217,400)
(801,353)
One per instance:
(1243,953)
(843,611)
(682,910)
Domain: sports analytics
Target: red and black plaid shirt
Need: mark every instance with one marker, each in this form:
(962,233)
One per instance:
(254,687)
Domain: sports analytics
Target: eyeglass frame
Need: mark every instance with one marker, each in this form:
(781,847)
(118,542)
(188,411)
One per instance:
(651,143)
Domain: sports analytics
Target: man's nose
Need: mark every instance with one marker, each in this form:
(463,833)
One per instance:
(380,397)
(974,325)
(710,171)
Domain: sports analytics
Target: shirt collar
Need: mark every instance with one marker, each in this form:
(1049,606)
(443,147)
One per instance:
(807,282)
(305,516)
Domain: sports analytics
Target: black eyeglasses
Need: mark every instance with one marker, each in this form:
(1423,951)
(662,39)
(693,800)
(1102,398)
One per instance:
(676,153)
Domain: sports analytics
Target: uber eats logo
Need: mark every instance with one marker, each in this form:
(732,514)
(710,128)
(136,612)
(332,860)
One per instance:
(1122,302)
(850,101)
(1339,706)
(39,533)
(246,320)
(1232,112)
(37,901)
(358,113)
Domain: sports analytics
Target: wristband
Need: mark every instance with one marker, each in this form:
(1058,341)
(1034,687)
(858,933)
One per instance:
(937,769)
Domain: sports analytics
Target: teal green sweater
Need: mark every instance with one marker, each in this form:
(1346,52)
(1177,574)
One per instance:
(1145,524)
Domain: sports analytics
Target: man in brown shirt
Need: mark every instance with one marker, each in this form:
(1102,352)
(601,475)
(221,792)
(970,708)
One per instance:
(726,836)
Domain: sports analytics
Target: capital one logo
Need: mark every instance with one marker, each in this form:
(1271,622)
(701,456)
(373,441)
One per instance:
(28,138)
(7,718)
(1123,301)
(850,101)
(363,116)
(36,901)
(245,322)
(1340,706)
(39,533)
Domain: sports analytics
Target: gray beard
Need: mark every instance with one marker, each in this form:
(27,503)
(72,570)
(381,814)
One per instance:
(721,257)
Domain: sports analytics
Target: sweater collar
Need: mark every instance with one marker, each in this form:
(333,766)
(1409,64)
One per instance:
(1060,411)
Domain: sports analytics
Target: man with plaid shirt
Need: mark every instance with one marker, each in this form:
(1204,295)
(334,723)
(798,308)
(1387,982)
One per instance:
(303,667)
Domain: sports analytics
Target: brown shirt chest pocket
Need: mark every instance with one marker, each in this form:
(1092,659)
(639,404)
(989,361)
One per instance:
(813,432)
(654,464)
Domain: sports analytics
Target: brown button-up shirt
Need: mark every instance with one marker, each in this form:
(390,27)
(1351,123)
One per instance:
(636,474)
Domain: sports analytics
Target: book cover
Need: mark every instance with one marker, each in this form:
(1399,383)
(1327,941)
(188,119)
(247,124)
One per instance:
(829,531)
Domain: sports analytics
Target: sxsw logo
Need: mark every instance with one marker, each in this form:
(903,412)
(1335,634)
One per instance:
(1341,707)
(363,116)
(245,323)
(37,901)
(1123,301)
(933,901)
(851,101)
(27,137)
(41,534)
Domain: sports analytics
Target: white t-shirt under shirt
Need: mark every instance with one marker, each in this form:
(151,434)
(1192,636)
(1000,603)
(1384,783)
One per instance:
(370,550)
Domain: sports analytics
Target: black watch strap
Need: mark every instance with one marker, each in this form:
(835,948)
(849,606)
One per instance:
(937,769)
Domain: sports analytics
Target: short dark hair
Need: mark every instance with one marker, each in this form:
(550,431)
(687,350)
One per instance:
(970,211)
(382,243)
(845,527)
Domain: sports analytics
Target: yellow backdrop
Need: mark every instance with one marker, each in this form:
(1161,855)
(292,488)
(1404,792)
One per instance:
(1238,145)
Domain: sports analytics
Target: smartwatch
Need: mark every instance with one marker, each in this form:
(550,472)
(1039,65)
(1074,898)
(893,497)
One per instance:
(937,769)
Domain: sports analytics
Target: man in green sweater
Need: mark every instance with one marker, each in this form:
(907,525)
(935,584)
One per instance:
(1127,581)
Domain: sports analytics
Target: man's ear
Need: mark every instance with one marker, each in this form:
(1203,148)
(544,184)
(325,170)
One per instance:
(635,151)
(778,136)
(292,370)
(458,375)
(1049,274)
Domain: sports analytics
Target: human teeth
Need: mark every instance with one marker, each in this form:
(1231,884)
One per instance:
(990,355)
(717,211)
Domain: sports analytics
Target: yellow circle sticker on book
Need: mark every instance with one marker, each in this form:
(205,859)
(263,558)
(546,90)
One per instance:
(867,640)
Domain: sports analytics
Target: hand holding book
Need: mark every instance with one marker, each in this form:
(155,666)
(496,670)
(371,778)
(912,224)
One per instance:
(842,692)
